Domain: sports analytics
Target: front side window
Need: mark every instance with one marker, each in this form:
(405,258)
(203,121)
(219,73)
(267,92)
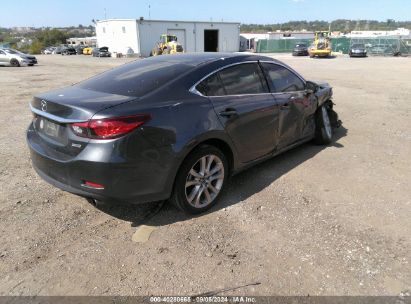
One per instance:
(282,79)
(244,78)
(240,79)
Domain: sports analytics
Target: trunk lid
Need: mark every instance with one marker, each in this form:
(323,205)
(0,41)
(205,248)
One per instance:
(74,104)
(56,110)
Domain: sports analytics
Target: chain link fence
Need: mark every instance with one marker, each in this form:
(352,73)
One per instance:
(384,46)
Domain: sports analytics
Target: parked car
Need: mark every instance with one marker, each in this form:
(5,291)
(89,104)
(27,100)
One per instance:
(79,49)
(300,49)
(174,127)
(101,52)
(87,50)
(68,51)
(358,50)
(48,50)
(57,50)
(11,57)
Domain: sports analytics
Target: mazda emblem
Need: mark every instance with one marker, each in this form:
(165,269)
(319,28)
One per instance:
(44,105)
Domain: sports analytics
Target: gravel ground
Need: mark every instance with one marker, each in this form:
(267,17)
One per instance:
(329,220)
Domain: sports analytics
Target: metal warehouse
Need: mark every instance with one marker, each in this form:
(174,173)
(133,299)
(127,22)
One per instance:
(140,35)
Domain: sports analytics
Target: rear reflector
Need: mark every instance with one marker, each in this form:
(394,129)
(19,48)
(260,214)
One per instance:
(93,185)
(108,128)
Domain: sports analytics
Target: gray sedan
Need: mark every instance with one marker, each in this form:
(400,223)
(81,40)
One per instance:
(10,57)
(174,126)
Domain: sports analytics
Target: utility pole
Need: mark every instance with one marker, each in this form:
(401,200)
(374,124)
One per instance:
(149,12)
(105,14)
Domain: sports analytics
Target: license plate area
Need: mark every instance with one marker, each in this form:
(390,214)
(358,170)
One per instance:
(49,128)
(51,131)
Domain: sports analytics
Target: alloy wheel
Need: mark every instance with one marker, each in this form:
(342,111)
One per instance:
(204,181)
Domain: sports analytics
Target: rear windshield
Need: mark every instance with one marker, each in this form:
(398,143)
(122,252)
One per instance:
(136,79)
(358,46)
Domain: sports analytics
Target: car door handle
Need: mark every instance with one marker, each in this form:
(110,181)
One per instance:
(285,106)
(229,112)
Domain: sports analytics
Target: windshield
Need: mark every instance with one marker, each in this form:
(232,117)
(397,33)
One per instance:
(137,78)
(358,46)
(301,45)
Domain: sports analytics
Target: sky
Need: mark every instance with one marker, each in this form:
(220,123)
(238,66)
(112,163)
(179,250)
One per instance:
(39,13)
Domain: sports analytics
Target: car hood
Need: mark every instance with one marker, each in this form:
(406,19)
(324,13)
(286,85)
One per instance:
(322,83)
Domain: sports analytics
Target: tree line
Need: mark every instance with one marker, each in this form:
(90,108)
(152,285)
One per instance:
(40,38)
(340,25)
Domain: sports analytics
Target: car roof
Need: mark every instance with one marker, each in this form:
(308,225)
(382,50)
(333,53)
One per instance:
(196,59)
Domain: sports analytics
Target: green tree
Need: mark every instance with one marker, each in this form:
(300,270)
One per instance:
(52,37)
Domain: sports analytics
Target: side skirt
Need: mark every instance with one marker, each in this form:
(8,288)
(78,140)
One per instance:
(271,155)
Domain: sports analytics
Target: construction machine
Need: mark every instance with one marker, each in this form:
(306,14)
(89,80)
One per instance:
(321,46)
(167,45)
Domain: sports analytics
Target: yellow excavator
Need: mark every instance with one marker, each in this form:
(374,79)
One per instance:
(167,45)
(322,45)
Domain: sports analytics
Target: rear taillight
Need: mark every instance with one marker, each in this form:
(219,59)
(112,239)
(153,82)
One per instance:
(108,128)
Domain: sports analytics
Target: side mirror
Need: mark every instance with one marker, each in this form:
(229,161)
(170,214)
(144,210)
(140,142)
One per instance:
(311,87)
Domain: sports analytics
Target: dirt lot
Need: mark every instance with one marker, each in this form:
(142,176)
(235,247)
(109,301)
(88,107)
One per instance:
(317,220)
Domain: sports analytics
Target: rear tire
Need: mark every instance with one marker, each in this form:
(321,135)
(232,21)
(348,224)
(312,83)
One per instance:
(200,180)
(323,128)
(14,63)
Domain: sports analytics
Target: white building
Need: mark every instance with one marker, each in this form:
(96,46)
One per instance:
(291,35)
(400,32)
(86,41)
(142,35)
(248,41)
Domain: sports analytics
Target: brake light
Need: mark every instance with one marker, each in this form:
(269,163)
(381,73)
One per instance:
(109,128)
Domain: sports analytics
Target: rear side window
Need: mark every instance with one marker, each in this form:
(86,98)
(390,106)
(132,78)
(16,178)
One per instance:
(244,78)
(211,86)
(137,78)
(282,79)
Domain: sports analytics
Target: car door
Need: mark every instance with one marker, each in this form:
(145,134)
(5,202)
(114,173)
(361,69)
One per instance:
(245,107)
(297,107)
(4,60)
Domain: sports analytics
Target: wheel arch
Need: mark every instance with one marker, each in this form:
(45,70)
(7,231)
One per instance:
(221,145)
(215,141)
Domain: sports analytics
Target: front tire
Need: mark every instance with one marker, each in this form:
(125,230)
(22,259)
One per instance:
(200,180)
(323,128)
(14,63)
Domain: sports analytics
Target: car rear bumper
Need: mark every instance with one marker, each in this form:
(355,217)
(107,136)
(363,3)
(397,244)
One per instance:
(358,54)
(139,181)
(300,53)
